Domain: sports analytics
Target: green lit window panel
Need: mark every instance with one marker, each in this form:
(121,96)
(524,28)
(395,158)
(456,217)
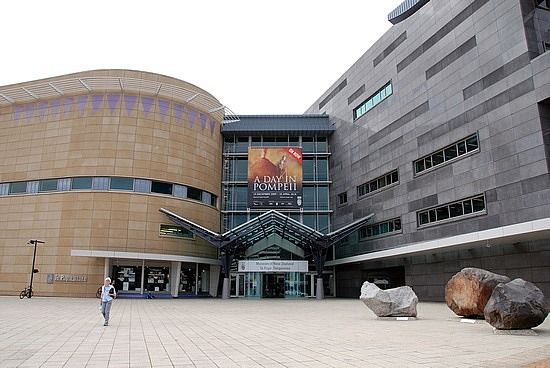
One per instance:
(176,231)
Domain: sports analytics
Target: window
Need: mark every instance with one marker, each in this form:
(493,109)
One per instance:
(322,169)
(213,200)
(322,223)
(449,153)
(180,191)
(378,183)
(161,187)
(48,185)
(308,169)
(81,183)
(322,145)
(19,187)
(308,145)
(453,210)
(194,193)
(142,185)
(100,183)
(240,169)
(4,189)
(372,101)
(380,228)
(241,145)
(322,198)
(343,198)
(176,231)
(309,198)
(122,184)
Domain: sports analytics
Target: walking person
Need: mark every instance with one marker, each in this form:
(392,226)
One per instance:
(108,293)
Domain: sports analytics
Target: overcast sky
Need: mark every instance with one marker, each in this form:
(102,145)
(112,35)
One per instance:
(266,57)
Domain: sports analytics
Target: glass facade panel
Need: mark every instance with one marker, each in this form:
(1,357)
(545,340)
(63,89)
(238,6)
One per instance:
(122,183)
(322,223)
(48,185)
(308,169)
(162,187)
(322,169)
(308,145)
(322,198)
(240,169)
(81,183)
(194,193)
(310,220)
(19,187)
(241,145)
(309,198)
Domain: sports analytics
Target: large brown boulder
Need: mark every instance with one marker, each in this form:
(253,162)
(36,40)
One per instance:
(468,291)
(515,305)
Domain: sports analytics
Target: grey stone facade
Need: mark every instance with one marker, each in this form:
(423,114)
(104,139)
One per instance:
(457,68)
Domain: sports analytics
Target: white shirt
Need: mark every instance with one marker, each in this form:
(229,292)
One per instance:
(105,297)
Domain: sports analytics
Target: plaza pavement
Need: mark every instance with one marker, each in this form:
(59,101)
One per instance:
(65,332)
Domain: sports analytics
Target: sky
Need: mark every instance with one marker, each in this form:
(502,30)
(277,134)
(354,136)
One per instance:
(255,57)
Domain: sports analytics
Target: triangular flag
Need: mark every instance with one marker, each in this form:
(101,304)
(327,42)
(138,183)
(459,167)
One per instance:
(147,103)
(112,101)
(203,120)
(179,111)
(96,102)
(191,114)
(55,104)
(82,100)
(130,102)
(212,126)
(163,108)
(18,111)
(68,105)
(30,110)
(42,107)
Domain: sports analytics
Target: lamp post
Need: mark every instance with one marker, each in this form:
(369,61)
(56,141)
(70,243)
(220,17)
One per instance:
(34,270)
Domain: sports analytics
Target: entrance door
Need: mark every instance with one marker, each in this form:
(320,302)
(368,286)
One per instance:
(309,289)
(237,285)
(274,286)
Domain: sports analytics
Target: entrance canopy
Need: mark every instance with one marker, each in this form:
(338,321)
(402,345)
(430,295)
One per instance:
(271,222)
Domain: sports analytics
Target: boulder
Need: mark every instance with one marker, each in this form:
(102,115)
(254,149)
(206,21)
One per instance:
(516,305)
(468,291)
(397,302)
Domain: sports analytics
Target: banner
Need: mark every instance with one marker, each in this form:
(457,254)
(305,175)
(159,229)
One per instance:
(273,266)
(274,177)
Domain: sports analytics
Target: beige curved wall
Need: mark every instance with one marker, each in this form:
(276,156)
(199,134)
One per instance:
(107,141)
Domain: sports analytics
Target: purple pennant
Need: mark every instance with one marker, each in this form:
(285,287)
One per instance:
(96,102)
(179,111)
(42,107)
(68,105)
(82,100)
(112,100)
(18,111)
(130,102)
(30,110)
(163,108)
(202,118)
(146,102)
(212,126)
(191,115)
(55,105)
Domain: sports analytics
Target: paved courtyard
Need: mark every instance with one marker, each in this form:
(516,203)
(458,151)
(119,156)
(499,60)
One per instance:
(64,332)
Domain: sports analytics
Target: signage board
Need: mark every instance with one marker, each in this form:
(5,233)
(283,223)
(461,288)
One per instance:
(273,266)
(65,278)
(275,177)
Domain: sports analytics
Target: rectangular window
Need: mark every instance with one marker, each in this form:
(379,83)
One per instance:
(380,228)
(213,200)
(378,183)
(372,101)
(194,193)
(449,153)
(4,189)
(142,185)
(49,185)
(176,231)
(308,145)
(18,188)
(81,183)
(322,198)
(122,184)
(308,169)
(453,210)
(309,198)
(64,184)
(33,186)
(180,191)
(343,198)
(100,183)
(241,145)
(322,144)
(240,169)
(322,169)
(161,187)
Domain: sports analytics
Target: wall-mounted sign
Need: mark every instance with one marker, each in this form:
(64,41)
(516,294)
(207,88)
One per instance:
(66,278)
(275,177)
(273,266)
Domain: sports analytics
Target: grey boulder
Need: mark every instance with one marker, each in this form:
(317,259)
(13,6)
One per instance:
(397,302)
(516,305)
(468,291)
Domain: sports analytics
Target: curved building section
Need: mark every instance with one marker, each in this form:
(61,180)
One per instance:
(86,162)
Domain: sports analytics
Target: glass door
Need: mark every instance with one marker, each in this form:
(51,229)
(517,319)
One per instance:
(253,284)
(237,285)
(294,285)
(309,285)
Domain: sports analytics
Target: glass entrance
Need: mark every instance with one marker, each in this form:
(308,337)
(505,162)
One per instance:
(273,285)
(294,285)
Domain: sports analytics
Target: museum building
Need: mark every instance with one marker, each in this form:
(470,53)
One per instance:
(429,154)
